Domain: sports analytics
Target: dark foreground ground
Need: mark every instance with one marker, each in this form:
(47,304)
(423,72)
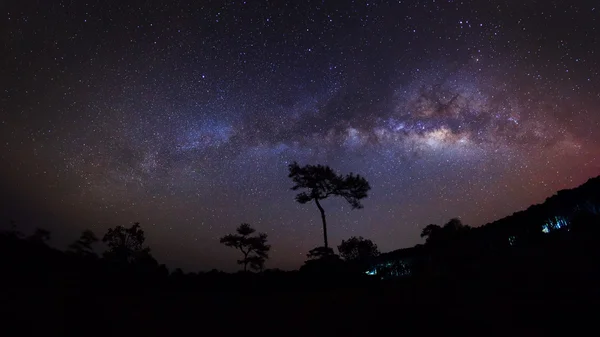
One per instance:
(536,307)
(546,289)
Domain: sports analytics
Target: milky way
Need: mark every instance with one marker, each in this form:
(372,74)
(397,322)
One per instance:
(185,116)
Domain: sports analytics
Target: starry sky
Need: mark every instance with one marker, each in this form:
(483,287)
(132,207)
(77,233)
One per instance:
(184,116)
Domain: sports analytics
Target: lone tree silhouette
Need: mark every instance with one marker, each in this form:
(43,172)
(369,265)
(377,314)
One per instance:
(254,248)
(321,182)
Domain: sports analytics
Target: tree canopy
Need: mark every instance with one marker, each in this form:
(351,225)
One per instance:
(126,244)
(321,181)
(40,235)
(320,253)
(452,229)
(83,245)
(318,182)
(357,249)
(254,248)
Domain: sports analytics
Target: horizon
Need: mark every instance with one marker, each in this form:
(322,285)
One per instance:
(185,121)
(171,269)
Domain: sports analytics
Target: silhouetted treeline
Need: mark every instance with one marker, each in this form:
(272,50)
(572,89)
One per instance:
(532,273)
(565,224)
(569,220)
(29,261)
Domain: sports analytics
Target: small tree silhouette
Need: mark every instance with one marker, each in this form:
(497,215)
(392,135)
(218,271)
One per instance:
(435,234)
(449,244)
(257,262)
(321,182)
(322,260)
(358,249)
(40,236)
(319,253)
(254,248)
(83,246)
(431,233)
(125,244)
(13,231)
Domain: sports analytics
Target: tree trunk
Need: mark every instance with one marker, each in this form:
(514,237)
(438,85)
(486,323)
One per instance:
(324,221)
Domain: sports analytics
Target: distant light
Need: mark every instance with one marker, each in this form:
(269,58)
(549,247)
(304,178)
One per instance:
(555,223)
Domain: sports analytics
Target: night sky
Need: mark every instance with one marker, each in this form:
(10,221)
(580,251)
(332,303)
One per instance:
(185,116)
